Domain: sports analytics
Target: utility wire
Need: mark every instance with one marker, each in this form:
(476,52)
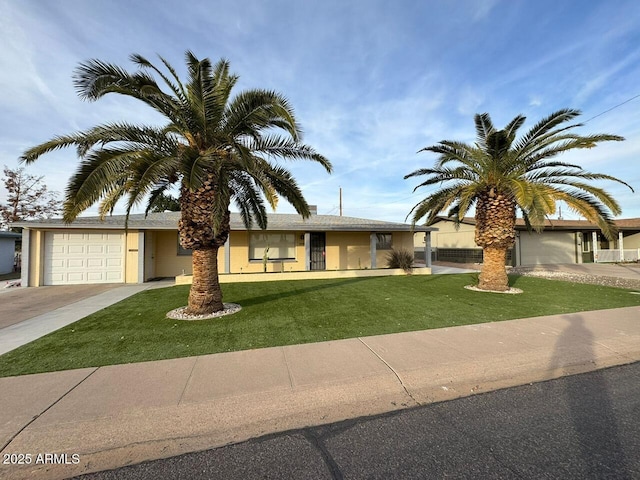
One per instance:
(612,108)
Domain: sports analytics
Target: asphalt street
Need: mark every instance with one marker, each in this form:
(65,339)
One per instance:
(579,427)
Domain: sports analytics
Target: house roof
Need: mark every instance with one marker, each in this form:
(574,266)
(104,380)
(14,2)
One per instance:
(622,224)
(276,221)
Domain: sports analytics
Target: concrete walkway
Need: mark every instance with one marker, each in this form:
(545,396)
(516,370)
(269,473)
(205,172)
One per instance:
(116,415)
(64,309)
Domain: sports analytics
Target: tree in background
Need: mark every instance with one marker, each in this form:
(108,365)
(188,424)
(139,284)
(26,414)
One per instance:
(27,198)
(217,148)
(500,174)
(165,202)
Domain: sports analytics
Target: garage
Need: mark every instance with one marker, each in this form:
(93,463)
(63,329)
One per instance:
(83,257)
(547,248)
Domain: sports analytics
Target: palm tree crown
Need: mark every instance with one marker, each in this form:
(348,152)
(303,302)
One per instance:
(216,148)
(500,173)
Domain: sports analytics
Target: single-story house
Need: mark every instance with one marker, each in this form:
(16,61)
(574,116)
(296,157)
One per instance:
(91,250)
(561,241)
(8,251)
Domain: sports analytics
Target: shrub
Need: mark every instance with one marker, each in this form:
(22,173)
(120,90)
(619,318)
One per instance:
(400,259)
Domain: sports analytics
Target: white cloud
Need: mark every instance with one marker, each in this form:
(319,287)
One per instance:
(372,82)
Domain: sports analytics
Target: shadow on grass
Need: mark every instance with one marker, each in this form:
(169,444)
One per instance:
(252,300)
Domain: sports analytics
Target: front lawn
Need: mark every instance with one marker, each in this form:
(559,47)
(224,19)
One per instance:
(293,312)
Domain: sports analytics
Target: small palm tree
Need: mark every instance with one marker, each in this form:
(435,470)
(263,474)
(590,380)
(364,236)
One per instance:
(215,147)
(499,174)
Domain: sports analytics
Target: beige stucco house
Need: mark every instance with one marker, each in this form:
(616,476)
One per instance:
(93,251)
(561,241)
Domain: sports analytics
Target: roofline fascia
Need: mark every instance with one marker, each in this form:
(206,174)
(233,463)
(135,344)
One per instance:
(301,228)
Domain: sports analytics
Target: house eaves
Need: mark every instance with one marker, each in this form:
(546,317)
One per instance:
(275,222)
(551,225)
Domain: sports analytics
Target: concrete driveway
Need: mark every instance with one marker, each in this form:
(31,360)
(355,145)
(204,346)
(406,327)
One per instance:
(19,304)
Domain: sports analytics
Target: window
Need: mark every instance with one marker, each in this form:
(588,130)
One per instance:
(280,245)
(182,251)
(383,241)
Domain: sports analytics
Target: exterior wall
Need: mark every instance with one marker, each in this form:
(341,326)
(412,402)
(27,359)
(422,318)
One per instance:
(448,237)
(399,241)
(240,263)
(344,251)
(547,248)
(7,253)
(348,250)
(632,241)
(131,257)
(36,258)
(168,262)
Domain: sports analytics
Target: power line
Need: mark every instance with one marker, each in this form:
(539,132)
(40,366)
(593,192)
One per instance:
(612,108)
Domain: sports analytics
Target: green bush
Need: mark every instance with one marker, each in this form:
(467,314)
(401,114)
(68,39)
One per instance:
(400,259)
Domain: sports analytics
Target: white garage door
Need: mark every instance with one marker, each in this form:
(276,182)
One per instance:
(547,248)
(78,257)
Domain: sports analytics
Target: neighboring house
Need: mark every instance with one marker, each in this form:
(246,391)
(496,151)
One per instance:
(561,241)
(93,251)
(8,251)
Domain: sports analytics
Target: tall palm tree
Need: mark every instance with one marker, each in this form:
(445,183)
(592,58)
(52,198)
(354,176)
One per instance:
(499,174)
(215,147)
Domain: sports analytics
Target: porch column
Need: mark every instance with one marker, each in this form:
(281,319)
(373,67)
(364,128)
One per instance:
(427,249)
(24,272)
(594,238)
(374,242)
(227,255)
(141,255)
(579,247)
(307,251)
(621,246)
(516,255)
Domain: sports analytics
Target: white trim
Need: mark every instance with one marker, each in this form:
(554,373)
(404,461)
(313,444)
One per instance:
(24,274)
(141,255)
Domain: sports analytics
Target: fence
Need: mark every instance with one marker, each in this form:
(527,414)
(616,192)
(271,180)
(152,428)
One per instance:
(617,255)
(462,255)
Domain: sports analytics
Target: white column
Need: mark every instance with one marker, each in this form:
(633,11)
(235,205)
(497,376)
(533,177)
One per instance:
(374,241)
(141,256)
(24,275)
(307,251)
(579,247)
(621,246)
(594,238)
(227,254)
(427,248)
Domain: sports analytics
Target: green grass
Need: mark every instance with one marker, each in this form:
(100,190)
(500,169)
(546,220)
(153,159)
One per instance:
(293,312)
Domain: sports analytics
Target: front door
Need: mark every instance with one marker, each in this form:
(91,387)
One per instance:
(318,251)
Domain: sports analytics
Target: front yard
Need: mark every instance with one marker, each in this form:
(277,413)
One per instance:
(293,312)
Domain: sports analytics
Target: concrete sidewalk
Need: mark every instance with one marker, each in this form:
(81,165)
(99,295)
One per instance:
(117,415)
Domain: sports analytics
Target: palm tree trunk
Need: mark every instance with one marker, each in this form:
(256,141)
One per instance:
(198,234)
(205,295)
(494,274)
(495,233)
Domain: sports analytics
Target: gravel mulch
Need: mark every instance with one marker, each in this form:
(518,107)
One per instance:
(179,313)
(576,278)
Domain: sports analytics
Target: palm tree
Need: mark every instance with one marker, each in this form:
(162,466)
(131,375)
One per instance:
(214,147)
(499,174)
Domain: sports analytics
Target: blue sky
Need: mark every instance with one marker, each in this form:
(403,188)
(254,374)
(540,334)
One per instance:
(372,82)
